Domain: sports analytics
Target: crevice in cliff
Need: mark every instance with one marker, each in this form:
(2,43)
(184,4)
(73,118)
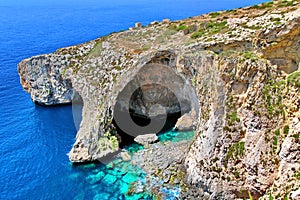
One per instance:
(77,106)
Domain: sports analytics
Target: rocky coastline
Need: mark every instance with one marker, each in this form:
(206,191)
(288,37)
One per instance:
(233,76)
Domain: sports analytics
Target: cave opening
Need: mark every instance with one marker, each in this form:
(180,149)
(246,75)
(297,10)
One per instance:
(152,102)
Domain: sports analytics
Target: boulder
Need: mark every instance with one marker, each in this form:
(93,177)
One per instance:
(166,21)
(187,122)
(146,139)
(138,25)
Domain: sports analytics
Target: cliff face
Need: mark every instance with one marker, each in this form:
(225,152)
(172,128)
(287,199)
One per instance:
(44,76)
(248,131)
(238,71)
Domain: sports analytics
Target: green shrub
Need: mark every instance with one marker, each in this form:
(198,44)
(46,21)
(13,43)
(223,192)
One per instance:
(286,130)
(233,117)
(146,47)
(250,196)
(182,27)
(297,137)
(294,79)
(272,94)
(275,141)
(237,174)
(235,151)
(214,14)
(197,34)
(216,24)
(209,28)
(297,175)
(118,67)
(250,55)
(286,3)
(266,5)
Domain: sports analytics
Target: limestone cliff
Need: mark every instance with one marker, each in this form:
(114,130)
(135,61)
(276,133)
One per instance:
(237,70)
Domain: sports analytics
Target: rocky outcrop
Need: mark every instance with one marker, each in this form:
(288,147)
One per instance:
(44,76)
(238,70)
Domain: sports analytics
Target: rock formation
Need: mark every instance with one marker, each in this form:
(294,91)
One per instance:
(238,70)
(146,139)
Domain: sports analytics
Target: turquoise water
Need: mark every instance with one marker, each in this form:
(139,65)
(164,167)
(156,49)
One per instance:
(118,175)
(110,181)
(175,136)
(34,140)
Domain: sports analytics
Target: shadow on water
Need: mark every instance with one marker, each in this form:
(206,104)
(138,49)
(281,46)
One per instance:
(144,121)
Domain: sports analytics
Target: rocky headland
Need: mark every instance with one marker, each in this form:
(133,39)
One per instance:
(233,76)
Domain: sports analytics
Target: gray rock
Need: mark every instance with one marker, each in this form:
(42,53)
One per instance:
(186,122)
(296,195)
(154,22)
(146,139)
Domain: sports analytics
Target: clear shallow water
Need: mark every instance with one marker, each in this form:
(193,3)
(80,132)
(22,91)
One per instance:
(34,140)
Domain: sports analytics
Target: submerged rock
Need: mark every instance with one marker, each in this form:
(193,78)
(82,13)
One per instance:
(125,156)
(95,178)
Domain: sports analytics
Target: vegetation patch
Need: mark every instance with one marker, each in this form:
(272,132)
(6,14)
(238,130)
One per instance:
(235,151)
(297,137)
(146,47)
(197,34)
(210,28)
(285,3)
(273,94)
(294,79)
(163,38)
(286,130)
(182,27)
(266,5)
(185,28)
(96,51)
(253,27)
(214,14)
(232,117)
(297,175)
(249,55)
(275,141)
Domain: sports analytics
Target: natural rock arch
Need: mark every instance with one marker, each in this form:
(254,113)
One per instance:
(152,100)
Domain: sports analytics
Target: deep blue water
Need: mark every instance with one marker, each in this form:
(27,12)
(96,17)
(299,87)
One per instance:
(34,140)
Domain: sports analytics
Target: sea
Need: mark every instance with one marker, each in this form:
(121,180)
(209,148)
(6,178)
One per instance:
(34,140)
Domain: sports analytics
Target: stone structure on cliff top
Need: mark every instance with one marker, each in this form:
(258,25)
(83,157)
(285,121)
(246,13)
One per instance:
(237,71)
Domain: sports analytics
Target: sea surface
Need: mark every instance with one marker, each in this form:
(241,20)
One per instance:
(34,140)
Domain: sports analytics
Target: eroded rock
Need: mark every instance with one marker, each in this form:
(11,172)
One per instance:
(146,139)
(186,122)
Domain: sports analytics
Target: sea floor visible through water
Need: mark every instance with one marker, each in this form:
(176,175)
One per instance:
(118,176)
